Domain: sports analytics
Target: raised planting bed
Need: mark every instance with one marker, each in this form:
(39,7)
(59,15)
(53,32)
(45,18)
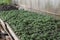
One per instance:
(6,32)
(31,26)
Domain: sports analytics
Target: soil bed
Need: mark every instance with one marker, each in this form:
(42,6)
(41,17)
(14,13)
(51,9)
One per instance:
(7,7)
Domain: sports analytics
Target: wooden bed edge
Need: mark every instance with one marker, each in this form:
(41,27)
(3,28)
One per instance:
(11,32)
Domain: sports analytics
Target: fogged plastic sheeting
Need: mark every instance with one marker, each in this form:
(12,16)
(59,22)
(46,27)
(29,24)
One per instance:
(39,4)
(42,3)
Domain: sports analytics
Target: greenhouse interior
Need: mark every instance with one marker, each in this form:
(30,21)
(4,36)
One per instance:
(29,19)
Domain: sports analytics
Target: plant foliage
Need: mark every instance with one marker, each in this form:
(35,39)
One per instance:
(31,26)
(5,2)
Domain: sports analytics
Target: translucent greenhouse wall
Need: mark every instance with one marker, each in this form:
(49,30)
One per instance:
(47,5)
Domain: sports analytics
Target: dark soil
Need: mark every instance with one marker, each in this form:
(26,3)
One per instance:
(7,7)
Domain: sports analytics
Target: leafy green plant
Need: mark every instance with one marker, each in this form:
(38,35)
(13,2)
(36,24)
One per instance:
(31,26)
(5,2)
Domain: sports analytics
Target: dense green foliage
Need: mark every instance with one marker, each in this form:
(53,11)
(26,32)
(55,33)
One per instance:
(31,26)
(5,2)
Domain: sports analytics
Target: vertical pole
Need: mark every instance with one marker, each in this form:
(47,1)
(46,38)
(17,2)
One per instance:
(31,4)
(39,4)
